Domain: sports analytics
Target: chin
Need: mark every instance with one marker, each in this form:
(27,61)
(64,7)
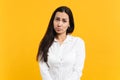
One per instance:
(59,32)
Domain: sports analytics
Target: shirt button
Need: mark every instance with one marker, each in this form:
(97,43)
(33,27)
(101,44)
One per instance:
(61,59)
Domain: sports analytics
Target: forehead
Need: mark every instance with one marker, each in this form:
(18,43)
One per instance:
(62,15)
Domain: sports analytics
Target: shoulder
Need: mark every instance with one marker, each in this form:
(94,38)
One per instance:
(77,39)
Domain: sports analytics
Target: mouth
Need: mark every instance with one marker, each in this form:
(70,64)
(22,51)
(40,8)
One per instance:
(58,29)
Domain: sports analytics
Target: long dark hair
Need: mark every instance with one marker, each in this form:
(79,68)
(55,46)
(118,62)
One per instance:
(50,34)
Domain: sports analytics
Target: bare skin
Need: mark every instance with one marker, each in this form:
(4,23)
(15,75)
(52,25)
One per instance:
(61,23)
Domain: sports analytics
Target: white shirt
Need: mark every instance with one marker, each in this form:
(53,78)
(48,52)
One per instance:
(66,61)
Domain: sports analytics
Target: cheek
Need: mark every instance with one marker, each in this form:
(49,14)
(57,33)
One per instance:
(54,24)
(66,26)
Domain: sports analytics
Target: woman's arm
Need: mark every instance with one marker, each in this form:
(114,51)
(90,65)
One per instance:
(44,70)
(80,58)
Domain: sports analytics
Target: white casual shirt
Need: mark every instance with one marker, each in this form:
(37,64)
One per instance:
(66,61)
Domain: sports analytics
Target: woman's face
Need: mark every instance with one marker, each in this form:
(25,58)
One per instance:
(61,22)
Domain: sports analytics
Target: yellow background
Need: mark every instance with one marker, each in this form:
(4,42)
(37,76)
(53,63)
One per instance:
(24,22)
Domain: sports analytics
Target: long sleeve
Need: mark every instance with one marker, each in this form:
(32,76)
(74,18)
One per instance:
(44,70)
(79,63)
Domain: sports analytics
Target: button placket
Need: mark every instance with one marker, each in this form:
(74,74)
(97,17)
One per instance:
(60,55)
(60,52)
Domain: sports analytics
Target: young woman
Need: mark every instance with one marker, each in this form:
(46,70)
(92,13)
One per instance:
(60,55)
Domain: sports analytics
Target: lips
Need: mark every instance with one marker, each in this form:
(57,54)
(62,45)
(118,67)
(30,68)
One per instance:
(58,29)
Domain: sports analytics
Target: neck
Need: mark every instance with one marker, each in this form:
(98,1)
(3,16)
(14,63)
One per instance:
(61,37)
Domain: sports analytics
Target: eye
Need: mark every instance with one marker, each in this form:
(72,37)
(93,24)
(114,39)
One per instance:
(57,19)
(64,20)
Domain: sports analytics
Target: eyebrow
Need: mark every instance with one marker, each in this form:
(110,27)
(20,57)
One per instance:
(62,18)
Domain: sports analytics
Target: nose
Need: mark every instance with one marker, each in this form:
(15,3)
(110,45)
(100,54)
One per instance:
(60,23)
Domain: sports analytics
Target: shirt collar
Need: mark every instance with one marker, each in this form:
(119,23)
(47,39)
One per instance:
(68,38)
